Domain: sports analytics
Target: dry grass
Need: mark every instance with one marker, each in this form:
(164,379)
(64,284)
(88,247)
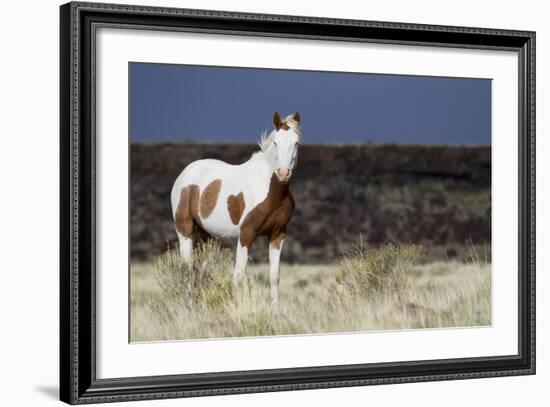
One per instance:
(199,285)
(388,269)
(380,289)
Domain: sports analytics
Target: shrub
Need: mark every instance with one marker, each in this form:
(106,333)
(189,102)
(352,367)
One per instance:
(206,281)
(389,268)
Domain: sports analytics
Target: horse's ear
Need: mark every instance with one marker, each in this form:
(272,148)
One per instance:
(277,121)
(297,117)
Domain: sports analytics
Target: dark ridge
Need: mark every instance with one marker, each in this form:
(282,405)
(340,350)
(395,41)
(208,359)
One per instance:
(438,196)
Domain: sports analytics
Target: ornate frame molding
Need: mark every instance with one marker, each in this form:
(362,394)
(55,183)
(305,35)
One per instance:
(78,380)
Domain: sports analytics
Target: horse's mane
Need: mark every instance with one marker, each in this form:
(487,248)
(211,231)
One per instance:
(266,140)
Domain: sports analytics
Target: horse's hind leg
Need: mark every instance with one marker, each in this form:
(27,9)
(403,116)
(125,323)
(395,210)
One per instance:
(186,247)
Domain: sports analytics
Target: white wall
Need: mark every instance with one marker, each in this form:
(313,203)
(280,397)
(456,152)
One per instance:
(29,202)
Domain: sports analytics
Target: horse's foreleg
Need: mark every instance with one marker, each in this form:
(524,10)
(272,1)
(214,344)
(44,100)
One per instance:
(275,246)
(186,248)
(240,263)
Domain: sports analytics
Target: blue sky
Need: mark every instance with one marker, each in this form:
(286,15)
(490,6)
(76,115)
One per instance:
(220,104)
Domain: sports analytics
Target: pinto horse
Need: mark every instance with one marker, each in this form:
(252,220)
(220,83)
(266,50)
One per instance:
(241,202)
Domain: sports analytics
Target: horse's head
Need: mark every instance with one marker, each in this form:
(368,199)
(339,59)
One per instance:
(286,139)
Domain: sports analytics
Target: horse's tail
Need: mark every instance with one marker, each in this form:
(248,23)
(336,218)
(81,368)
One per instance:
(185,178)
(179,184)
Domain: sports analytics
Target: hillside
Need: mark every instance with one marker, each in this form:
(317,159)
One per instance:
(438,196)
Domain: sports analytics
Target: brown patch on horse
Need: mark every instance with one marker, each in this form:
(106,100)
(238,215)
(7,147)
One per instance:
(285,126)
(209,198)
(279,123)
(277,240)
(187,212)
(235,206)
(269,217)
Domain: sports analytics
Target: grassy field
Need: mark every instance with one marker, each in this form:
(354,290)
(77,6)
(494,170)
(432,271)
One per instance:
(387,288)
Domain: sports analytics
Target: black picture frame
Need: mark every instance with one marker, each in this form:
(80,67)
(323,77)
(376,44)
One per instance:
(78,382)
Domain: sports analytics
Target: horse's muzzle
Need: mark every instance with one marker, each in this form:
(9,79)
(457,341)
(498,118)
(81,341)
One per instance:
(283,174)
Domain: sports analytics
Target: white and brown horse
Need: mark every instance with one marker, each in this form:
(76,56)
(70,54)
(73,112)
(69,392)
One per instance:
(241,202)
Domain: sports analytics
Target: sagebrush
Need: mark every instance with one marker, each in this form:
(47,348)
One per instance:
(204,282)
(389,268)
(389,287)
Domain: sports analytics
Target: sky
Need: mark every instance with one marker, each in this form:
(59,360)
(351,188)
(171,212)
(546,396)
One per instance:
(225,104)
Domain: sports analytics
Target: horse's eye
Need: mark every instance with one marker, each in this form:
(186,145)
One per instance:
(275,144)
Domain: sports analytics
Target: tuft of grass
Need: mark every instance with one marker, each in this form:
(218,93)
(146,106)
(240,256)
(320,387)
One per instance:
(204,282)
(388,268)
(382,288)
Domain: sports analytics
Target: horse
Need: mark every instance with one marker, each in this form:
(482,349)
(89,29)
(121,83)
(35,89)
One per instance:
(241,202)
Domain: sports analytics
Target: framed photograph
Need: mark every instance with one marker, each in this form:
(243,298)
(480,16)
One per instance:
(255,203)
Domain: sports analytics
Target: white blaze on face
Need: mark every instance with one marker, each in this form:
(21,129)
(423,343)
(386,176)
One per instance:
(285,145)
(286,139)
